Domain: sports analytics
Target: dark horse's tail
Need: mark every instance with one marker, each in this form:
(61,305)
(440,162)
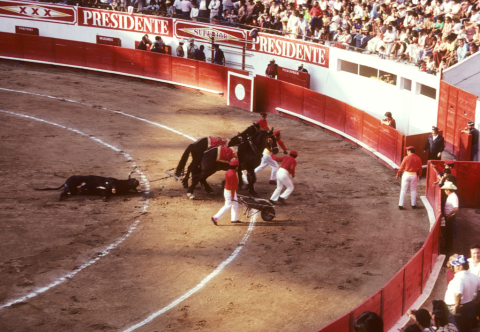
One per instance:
(183,161)
(41,189)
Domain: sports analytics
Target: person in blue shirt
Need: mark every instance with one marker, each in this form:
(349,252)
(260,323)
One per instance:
(199,54)
(219,58)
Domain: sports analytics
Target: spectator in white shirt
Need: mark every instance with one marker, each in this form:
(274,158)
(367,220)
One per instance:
(474,260)
(461,292)
(389,39)
(178,7)
(194,13)
(186,7)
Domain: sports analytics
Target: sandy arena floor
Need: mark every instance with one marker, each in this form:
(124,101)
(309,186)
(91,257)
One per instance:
(339,239)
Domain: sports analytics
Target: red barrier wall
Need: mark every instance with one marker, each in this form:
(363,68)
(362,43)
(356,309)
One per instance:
(185,71)
(129,61)
(291,97)
(373,303)
(70,52)
(354,122)
(11,45)
(269,89)
(455,107)
(464,147)
(370,130)
(387,141)
(393,299)
(341,324)
(38,48)
(335,113)
(314,105)
(211,76)
(294,77)
(100,56)
(158,65)
(413,279)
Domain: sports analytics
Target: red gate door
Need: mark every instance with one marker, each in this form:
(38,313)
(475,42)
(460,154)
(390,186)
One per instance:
(241,92)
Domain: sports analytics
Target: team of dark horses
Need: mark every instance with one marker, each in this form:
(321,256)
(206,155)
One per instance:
(250,144)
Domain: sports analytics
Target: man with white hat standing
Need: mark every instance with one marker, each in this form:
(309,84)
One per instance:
(191,48)
(449,212)
(285,174)
(470,129)
(180,50)
(230,194)
(410,170)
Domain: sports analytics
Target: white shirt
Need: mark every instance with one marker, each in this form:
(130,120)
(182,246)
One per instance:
(451,203)
(465,283)
(474,269)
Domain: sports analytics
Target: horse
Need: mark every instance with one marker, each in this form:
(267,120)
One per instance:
(249,156)
(201,145)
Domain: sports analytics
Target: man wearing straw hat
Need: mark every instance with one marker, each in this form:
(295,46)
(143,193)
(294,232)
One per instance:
(410,170)
(449,211)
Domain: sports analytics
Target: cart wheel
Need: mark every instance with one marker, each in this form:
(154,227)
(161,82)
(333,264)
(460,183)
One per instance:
(268,214)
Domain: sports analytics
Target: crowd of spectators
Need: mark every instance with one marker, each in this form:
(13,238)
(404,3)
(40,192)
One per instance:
(433,34)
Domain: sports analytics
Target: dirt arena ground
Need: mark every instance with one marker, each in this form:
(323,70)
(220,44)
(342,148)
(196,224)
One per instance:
(339,239)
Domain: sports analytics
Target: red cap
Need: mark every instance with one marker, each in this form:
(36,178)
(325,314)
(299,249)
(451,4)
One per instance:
(276,133)
(263,113)
(234,162)
(409,147)
(293,153)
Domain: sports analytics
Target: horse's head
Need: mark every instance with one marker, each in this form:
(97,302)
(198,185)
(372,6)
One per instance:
(244,135)
(272,141)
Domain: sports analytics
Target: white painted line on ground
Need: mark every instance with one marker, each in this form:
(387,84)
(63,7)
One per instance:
(102,108)
(202,283)
(115,244)
(103,252)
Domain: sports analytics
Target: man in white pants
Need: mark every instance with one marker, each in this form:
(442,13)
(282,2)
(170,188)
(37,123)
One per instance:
(411,168)
(230,194)
(267,160)
(285,174)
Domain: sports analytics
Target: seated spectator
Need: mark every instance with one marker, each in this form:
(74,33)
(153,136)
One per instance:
(143,43)
(440,321)
(114,5)
(439,305)
(325,35)
(368,322)
(345,38)
(157,46)
(389,120)
(422,318)
(462,49)
(382,53)
(362,38)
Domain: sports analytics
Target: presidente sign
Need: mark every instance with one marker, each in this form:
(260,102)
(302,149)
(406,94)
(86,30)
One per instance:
(38,12)
(107,19)
(291,48)
(206,32)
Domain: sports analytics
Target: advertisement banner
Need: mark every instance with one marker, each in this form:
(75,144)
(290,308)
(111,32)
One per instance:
(38,12)
(107,19)
(205,32)
(291,48)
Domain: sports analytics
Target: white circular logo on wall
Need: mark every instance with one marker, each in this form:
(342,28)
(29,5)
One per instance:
(239,92)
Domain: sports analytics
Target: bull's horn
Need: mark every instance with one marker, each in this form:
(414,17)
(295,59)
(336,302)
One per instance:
(130,174)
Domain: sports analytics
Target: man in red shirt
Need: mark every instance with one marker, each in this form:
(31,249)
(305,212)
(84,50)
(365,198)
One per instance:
(285,174)
(230,194)
(280,142)
(263,121)
(411,168)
